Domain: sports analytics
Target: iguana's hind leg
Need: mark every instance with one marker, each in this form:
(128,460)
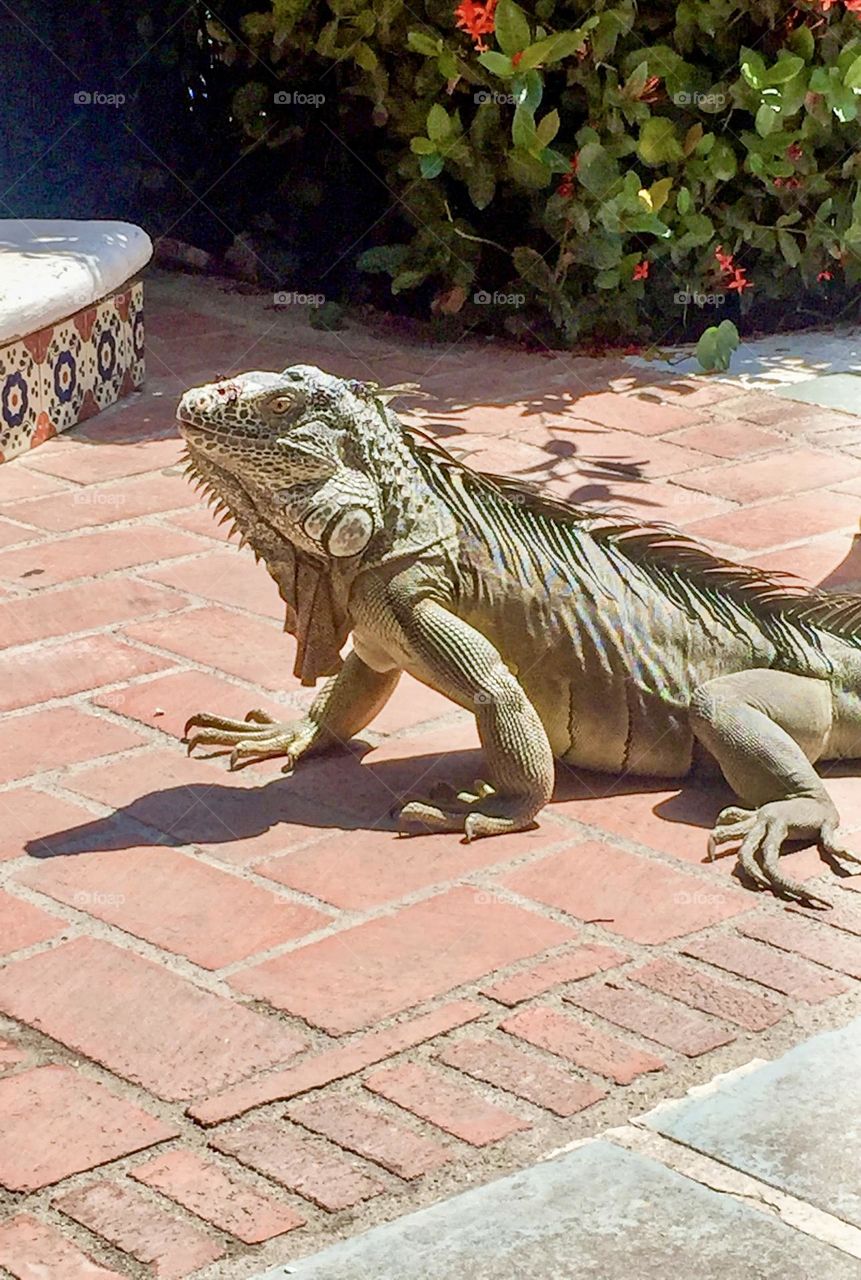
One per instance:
(765,728)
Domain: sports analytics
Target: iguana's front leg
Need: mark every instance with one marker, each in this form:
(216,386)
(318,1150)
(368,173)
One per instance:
(344,706)
(764,728)
(459,662)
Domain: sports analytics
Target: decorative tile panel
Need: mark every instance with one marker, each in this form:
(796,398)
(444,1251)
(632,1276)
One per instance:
(70,371)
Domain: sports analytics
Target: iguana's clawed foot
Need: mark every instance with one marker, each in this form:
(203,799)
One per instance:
(476,813)
(258,737)
(763,831)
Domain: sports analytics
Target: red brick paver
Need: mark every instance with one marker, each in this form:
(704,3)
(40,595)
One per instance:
(582,962)
(457,1109)
(22,924)
(631,896)
(700,990)
(359,975)
(370,1134)
(189,908)
(56,1121)
(581,1044)
(683,1030)
(784,973)
(335,1064)
(121,1214)
(310,1167)
(124,1011)
(33,1250)
(525,1075)
(220,1198)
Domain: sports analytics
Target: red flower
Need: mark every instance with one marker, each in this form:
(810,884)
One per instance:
(516,58)
(739,281)
(477,18)
(795,151)
(641,270)
(650,91)
(824,275)
(734,278)
(854,6)
(566,186)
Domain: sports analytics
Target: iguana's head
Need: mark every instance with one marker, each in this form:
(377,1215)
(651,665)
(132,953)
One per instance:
(319,458)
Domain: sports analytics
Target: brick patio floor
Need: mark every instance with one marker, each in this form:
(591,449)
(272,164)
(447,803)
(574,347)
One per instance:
(240,1018)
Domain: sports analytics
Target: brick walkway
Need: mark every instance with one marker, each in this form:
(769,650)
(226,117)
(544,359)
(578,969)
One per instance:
(238,1017)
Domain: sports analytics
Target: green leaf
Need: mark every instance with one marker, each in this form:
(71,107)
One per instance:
(658,143)
(408,280)
(698,229)
(431,166)
(607,279)
(481,184)
(523,132)
(597,171)
(801,42)
(364,56)
(438,123)
(421,43)
(533,269)
(722,162)
(528,170)
(767,121)
(683,201)
(385,259)
(784,69)
(423,146)
(852,79)
(548,128)
(497,64)
(789,247)
(528,89)
(753,69)
(512,28)
(659,193)
(715,347)
(552,49)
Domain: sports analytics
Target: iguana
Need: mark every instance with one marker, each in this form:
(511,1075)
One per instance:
(570,633)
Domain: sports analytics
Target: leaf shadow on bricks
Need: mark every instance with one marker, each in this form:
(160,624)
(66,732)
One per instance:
(340,792)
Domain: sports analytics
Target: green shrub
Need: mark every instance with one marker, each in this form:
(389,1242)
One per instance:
(591,169)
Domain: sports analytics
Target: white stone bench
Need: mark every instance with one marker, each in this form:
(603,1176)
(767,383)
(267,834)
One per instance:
(71,324)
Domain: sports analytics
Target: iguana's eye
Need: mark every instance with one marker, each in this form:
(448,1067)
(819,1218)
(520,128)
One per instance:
(281,404)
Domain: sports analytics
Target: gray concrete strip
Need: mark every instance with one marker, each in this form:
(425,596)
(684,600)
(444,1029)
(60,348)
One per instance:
(831,390)
(597,1213)
(794,1124)
(758,1195)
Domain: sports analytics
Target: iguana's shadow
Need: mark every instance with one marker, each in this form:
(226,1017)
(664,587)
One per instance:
(336,792)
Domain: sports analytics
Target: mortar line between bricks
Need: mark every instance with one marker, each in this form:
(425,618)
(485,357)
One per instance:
(123,572)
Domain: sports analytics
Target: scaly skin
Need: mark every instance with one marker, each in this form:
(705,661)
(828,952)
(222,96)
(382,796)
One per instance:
(607,644)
